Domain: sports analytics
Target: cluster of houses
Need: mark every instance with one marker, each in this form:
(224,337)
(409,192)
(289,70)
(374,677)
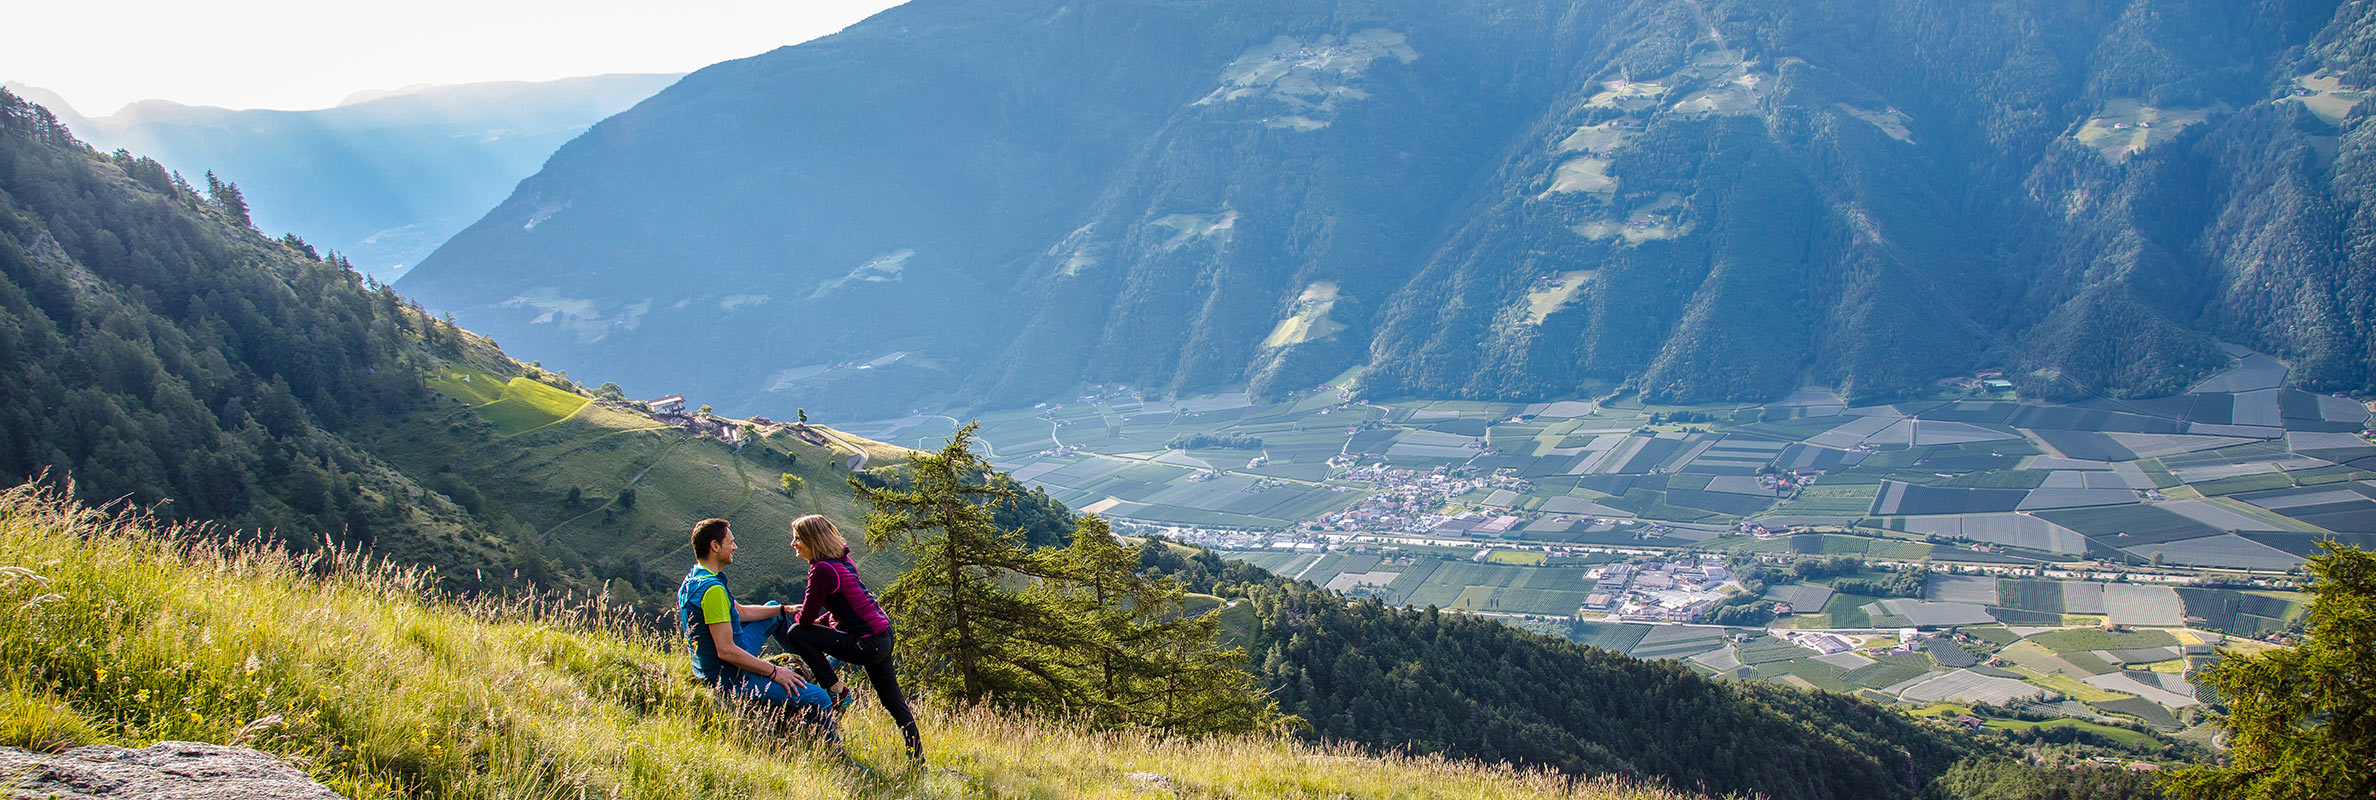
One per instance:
(1228,539)
(1992,380)
(1407,500)
(1473,523)
(1344,393)
(671,411)
(1658,591)
(1822,643)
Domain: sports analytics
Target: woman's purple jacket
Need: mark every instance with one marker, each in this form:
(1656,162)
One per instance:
(837,599)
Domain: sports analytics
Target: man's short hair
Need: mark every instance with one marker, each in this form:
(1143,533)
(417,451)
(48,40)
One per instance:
(706,534)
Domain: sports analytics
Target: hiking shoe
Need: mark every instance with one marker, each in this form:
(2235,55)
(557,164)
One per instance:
(844,698)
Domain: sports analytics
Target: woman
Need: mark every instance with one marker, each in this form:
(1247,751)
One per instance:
(838,618)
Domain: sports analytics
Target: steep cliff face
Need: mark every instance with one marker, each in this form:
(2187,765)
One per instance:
(1703,200)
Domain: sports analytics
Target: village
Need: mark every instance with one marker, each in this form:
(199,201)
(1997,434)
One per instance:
(735,433)
(1411,500)
(1643,586)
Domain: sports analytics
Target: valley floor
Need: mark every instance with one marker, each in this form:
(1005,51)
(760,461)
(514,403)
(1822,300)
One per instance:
(2176,523)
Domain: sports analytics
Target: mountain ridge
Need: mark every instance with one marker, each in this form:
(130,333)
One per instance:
(384,180)
(1699,201)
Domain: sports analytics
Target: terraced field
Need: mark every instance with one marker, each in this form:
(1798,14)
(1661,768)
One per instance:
(514,406)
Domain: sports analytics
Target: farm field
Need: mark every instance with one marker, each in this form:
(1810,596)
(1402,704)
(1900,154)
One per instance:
(2238,474)
(1445,581)
(513,406)
(2134,739)
(2032,673)
(2073,655)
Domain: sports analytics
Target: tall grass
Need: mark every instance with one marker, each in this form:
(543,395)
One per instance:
(120,630)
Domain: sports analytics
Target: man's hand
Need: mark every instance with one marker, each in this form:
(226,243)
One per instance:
(788,679)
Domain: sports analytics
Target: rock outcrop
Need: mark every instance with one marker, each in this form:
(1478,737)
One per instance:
(162,771)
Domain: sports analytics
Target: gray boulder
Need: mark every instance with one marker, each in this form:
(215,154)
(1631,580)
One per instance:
(162,771)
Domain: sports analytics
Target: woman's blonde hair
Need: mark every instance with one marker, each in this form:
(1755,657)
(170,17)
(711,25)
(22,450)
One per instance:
(821,536)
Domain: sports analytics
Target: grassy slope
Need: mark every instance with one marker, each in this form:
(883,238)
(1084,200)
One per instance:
(522,467)
(122,633)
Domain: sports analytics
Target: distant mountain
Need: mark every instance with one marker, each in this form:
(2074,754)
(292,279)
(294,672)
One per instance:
(1699,199)
(383,178)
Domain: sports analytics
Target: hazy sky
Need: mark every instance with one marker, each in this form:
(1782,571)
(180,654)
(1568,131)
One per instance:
(295,54)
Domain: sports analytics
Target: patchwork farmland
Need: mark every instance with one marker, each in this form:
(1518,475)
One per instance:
(2239,474)
(2039,525)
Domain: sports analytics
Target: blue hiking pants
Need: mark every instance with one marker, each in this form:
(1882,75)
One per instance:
(740,684)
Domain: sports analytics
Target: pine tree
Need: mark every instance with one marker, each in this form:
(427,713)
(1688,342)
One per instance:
(973,613)
(227,197)
(1155,664)
(2301,723)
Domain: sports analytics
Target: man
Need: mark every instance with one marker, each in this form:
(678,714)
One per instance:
(724,637)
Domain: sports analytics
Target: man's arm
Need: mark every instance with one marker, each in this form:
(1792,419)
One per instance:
(751,613)
(722,635)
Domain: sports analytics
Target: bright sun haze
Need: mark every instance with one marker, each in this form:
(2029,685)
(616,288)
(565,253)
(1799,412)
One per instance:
(292,54)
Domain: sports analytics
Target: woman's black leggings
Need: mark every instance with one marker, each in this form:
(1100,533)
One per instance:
(814,642)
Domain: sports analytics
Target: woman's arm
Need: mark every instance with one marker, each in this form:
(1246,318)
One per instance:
(822,583)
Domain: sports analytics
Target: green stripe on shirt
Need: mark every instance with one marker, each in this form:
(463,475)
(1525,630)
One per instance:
(715,608)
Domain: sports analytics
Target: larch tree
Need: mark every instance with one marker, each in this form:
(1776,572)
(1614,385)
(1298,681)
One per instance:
(1155,664)
(2301,722)
(971,608)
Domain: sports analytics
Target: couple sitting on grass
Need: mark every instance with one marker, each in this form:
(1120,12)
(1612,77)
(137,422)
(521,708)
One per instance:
(836,619)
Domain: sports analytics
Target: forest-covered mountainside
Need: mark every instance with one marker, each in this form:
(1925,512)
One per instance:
(1699,199)
(382,180)
(157,350)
